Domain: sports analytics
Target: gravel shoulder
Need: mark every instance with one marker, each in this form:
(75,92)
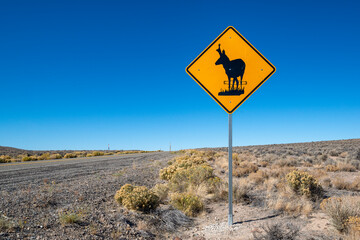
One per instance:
(34,198)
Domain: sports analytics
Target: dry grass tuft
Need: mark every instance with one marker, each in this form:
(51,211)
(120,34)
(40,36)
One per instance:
(340,210)
(69,217)
(162,191)
(345,167)
(244,168)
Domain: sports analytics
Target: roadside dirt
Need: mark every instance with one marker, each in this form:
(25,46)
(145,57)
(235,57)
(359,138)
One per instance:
(35,196)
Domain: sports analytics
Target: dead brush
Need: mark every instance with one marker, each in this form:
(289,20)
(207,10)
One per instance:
(282,198)
(258,177)
(277,231)
(241,190)
(340,183)
(162,191)
(244,168)
(345,167)
(289,161)
(277,172)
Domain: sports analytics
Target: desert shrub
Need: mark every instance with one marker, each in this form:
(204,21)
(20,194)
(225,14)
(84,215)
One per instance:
(353,228)
(138,198)
(263,163)
(188,203)
(123,192)
(355,163)
(322,157)
(334,153)
(220,191)
(277,172)
(5,159)
(168,172)
(282,198)
(194,176)
(69,217)
(55,156)
(286,162)
(29,158)
(80,154)
(355,184)
(331,168)
(345,167)
(241,188)
(44,156)
(304,184)
(358,155)
(5,223)
(341,209)
(70,155)
(244,168)
(325,182)
(189,159)
(277,231)
(258,177)
(162,191)
(340,183)
(97,153)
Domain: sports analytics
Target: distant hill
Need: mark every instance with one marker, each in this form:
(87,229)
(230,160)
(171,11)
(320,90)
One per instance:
(333,148)
(14,152)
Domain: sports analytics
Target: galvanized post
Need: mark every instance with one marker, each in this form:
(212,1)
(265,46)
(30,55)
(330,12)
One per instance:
(230,218)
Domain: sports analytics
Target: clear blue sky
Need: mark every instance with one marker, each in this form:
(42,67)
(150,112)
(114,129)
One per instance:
(85,74)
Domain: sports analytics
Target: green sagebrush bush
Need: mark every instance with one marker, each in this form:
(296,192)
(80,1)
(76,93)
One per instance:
(188,203)
(194,176)
(138,198)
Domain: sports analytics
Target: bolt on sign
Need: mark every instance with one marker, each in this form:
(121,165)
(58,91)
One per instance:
(230,69)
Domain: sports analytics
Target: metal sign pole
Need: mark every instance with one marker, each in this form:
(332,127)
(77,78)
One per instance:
(230,218)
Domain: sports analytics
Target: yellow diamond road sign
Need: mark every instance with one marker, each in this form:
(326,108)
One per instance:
(230,69)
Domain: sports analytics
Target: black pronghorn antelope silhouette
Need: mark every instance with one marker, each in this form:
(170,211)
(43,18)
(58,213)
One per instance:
(233,69)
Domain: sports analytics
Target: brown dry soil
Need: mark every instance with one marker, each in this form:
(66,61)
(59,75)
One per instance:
(33,207)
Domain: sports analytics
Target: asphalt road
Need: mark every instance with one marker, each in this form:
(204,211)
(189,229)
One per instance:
(14,175)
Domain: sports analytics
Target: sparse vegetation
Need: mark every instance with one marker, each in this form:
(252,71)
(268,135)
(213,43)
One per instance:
(69,217)
(5,223)
(341,209)
(277,231)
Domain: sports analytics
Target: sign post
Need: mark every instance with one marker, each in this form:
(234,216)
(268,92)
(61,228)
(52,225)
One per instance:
(230,217)
(230,69)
